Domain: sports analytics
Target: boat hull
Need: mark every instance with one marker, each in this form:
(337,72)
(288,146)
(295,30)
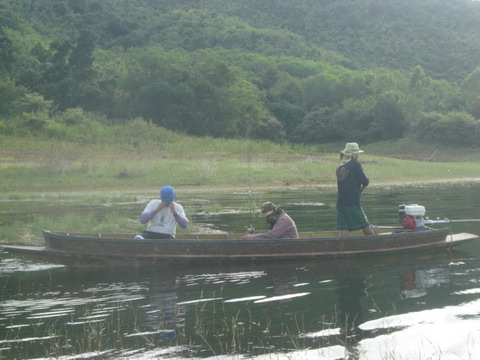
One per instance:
(193,249)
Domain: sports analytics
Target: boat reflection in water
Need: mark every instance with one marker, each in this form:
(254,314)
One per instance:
(310,309)
(416,283)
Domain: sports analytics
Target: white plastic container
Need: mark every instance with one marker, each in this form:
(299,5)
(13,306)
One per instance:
(415,210)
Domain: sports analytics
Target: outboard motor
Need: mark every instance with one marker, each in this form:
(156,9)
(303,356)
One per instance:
(412,217)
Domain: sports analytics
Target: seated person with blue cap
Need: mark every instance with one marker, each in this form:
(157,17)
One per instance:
(162,216)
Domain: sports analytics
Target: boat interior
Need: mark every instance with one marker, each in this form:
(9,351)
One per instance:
(214,236)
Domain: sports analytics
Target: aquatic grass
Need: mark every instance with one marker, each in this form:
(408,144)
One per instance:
(222,334)
(213,209)
(100,213)
(16,196)
(107,199)
(208,330)
(99,338)
(30,232)
(90,198)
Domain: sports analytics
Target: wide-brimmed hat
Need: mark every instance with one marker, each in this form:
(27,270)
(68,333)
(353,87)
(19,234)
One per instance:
(268,208)
(351,148)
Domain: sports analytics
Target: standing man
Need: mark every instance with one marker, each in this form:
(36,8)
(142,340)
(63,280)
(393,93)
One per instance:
(163,215)
(351,180)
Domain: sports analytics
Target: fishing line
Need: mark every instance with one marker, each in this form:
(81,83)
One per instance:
(250,228)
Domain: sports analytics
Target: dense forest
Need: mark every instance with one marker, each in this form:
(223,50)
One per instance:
(308,71)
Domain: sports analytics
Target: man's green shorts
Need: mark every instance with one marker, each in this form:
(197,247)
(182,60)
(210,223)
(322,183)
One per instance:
(351,218)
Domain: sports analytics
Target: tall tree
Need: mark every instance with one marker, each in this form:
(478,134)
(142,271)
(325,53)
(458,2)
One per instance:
(471,91)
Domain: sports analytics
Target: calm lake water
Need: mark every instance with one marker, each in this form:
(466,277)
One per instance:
(424,305)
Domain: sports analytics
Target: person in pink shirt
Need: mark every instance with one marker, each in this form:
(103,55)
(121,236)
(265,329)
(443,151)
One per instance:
(281,224)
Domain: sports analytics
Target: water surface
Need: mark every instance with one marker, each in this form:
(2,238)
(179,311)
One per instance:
(411,306)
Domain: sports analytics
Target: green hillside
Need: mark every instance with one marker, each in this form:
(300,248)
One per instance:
(303,71)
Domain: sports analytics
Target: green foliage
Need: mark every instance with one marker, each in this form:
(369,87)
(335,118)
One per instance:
(319,126)
(270,69)
(354,120)
(137,132)
(454,128)
(389,121)
(470,88)
(6,52)
(197,93)
(10,95)
(398,35)
(71,117)
(30,115)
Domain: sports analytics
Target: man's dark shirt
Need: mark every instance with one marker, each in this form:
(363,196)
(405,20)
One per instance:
(350,179)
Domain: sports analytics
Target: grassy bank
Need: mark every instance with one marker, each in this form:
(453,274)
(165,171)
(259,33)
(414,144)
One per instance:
(48,165)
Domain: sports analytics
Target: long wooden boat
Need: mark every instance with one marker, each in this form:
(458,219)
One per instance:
(81,248)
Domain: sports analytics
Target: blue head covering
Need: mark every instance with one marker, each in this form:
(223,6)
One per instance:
(167,194)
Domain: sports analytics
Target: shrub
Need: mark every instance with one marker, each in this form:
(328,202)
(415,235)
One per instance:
(456,127)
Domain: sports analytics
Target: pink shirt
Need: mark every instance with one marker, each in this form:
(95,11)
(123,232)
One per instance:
(284,228)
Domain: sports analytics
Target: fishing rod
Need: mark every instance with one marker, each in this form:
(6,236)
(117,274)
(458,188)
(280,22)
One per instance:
(412,217)
(447,221)
(430,222)
(250,229)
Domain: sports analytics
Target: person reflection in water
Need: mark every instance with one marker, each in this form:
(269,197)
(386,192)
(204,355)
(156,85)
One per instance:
(163,314)
(281,224)
(350,291)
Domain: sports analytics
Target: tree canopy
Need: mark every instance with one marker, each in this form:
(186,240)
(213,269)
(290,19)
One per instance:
(299,71)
